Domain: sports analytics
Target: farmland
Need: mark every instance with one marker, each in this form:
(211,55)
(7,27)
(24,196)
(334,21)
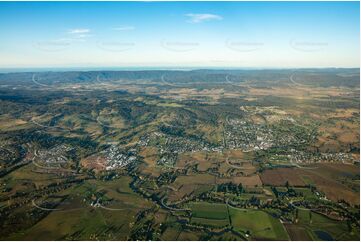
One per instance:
(210,214)
(180,155)
(257,225)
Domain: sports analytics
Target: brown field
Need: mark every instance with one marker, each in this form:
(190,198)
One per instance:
(200,158)
(190,93)
(195,179)
(8,123)
(258,119)
(26,175)
(246,181)
(185,160)
(348,137)
(205,160)
(160,216)
(327,145)
(337,170)
(150,155)
(279,91)
(300,92)
(223,168)
(187,190)
(342,113)
(188,236)
(204,166)
(120,191)
(187,185)
(297,232)
(326,177)
(238,163)
(223,180)
(246,167)
(279,177)
(97,163)
(340,135)
(170,234)
(149,171)
(238,154)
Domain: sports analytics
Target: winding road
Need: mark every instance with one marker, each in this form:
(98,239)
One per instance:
(174,209)
(38,83)
(45,209)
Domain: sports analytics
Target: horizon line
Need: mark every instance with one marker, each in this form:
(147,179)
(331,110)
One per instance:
(152,68)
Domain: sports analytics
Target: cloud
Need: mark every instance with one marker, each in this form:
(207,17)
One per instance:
(124,28)
(202,17)
(81,36)
(78,31)
(78,35)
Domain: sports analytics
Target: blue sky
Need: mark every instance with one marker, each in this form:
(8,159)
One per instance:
(179,34)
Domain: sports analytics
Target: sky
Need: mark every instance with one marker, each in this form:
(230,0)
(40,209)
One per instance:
(179,34)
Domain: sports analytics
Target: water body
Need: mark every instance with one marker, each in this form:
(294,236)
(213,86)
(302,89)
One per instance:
(323,235)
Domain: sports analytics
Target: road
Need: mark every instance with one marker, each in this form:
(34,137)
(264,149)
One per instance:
(294,82)
(167,83)
(305,209)
(45,209)
(301,167)
(170,208)
(38,83)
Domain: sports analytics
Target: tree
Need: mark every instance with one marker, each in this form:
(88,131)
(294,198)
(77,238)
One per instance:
(240,188)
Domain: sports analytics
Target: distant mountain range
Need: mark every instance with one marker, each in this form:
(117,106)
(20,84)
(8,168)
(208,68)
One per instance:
(349,77)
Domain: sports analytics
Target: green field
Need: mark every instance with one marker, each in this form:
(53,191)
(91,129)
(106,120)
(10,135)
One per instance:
(180,155)
(210,222)
(306,192)
(317,222)
(258,223)
(77,220)
(209,210)
(211,214)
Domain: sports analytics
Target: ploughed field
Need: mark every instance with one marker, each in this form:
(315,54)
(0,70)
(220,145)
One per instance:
(180,155)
